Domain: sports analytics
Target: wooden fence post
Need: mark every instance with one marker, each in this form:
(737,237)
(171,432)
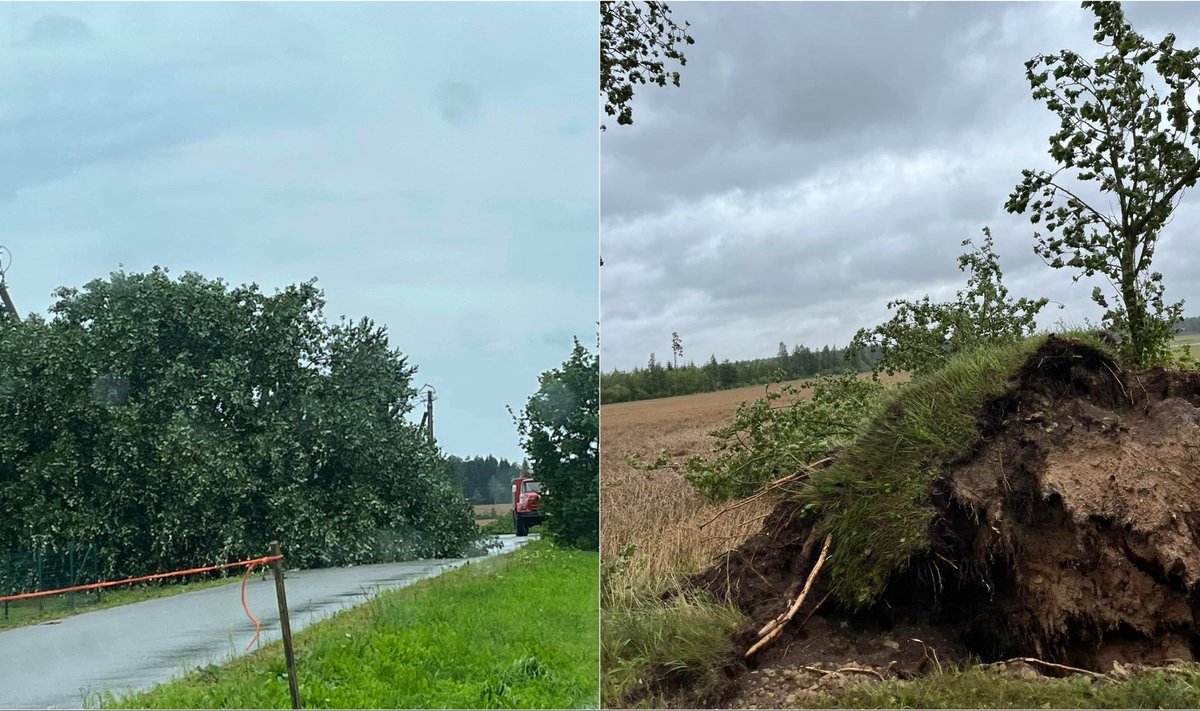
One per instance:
(285,626)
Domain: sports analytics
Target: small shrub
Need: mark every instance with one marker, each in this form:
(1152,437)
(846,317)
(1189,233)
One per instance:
(771,437)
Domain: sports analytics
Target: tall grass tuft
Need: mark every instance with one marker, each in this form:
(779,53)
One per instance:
(660,646)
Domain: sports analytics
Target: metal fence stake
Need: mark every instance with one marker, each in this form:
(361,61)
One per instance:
(284,626)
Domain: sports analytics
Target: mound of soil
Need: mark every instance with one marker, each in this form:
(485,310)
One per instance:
(1071,534)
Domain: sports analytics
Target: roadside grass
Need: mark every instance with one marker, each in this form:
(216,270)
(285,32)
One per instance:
(499,526)
(57,607)
(1169,687)
(516,631)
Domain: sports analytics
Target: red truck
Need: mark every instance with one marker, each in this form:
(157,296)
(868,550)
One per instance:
(527,504)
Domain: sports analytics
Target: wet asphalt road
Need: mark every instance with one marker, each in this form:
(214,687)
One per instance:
(134,647)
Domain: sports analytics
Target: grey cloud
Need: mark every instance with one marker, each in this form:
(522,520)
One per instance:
(822,159)
(56,29)
(457,103)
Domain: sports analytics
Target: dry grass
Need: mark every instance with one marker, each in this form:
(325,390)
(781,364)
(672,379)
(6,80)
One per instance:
(658,511)
(487,510)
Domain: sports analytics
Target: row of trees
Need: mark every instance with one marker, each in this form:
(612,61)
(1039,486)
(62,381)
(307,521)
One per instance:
(658,380)
(181,422)
(485,480)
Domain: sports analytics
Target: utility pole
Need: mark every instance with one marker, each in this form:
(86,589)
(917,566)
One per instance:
(429,411)
(427,418)
(8,302)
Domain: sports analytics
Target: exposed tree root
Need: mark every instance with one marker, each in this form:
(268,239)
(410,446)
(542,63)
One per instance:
(1052,665)
(772,629)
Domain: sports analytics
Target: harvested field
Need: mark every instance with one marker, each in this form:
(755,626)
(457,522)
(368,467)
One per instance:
(657,511)
(1068,534)
(491,511)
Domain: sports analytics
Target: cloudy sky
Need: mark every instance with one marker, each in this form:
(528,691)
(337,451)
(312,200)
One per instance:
(434,165)
(821,159)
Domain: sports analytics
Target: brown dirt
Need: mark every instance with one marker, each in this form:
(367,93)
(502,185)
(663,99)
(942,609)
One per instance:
(1071,535)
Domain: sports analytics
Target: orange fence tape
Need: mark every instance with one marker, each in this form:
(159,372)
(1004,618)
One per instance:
(246,608)
(147,578)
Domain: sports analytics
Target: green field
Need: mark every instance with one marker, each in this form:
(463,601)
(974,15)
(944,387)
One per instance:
(518,631)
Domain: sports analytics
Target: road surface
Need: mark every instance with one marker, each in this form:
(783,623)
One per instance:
(65,663)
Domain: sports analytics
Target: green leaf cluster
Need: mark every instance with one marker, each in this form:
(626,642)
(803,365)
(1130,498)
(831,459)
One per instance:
(781,433)
(637,40)
(181,422)
(560,431)
(922,335)
(1127,149)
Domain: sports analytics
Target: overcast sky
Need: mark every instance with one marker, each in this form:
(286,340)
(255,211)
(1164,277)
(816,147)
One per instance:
(821,159)
(434,165)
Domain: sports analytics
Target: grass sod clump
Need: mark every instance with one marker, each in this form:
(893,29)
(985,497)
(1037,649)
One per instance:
(662,651)
(517,631)
(874,502)
(1172,687)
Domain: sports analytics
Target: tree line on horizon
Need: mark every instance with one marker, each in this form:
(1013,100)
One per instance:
(485,480)
(665,380)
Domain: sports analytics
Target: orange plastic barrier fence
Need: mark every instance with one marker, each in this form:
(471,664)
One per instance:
(249,564)
(142,579)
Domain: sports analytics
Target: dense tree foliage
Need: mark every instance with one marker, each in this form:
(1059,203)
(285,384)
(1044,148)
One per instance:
(560,430)
(180,421)
(484,480)
(637,39)
(657,380)
(923,335)
(1128,147)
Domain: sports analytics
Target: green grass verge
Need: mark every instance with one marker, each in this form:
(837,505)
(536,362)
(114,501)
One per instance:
(517,631)
(500,526)
(37,611)
(1172,687)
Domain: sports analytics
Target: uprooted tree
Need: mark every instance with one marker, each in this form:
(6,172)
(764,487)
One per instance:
(1030,499)
(560,431)
(922,335)
(178,422)
(1128,147)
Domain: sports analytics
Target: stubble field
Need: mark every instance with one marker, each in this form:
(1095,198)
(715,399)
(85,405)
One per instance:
(672,528)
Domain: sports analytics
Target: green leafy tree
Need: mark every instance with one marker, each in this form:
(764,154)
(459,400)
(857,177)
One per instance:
(1128,147)
(181,421)
(922,335)
(560,431)
(676,348)
(637,40)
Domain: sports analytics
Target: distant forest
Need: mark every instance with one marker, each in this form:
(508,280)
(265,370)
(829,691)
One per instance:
(485,480)
(1189,325)
(665,380)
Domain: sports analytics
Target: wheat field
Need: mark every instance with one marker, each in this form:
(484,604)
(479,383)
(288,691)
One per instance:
(671,527)
(674,531)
